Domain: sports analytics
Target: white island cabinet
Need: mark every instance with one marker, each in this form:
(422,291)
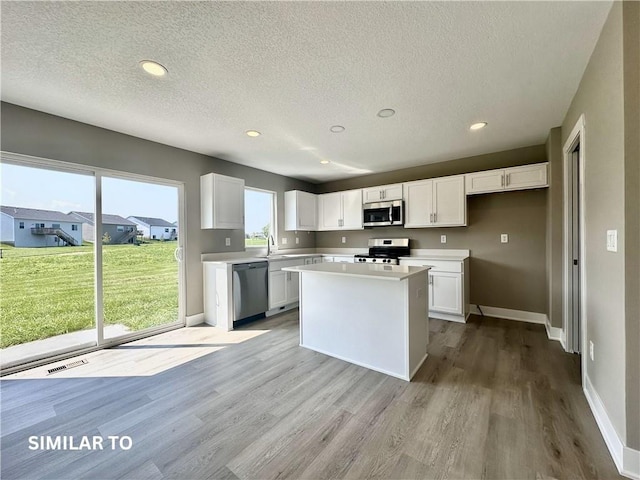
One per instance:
(375,316)
(448,283)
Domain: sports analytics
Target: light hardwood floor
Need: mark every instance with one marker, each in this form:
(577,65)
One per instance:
(495,399)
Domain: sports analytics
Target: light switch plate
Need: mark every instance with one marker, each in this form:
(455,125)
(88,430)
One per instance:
(504,238)
(284,240)
(443,239)
(344,239)
(297,240)
(227,242)
(612,240)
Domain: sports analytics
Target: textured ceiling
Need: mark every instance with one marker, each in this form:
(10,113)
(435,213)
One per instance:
(293,69)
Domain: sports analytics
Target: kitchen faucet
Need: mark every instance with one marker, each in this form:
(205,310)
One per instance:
(270,241)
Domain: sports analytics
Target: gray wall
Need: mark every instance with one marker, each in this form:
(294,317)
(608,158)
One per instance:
(600,97)
(555,226)
(30,132)
(631,42)
(509,275)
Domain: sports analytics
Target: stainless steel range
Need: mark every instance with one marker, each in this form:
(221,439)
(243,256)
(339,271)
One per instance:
(385,250)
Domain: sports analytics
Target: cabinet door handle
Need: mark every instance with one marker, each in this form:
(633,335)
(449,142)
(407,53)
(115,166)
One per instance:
(508,175)
(435,217)
(384,194)
(430,279)
(431,218)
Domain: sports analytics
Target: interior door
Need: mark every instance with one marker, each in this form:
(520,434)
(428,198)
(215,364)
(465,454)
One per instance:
(575,252)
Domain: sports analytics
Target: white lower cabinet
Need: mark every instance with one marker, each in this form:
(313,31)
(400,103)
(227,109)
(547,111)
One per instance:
(283,286)
(277,289)
(293,287)
(445,292)
(448,287)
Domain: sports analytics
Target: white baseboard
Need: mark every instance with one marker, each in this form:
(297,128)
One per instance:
(509,314)
(554,333)
(448,316)
(193,320)
(627,460)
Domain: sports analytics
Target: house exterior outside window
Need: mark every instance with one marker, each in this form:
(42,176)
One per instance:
(21,225)
(120,228)
(74,228)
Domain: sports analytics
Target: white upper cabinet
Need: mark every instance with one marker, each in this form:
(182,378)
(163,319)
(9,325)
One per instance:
(527,176)
(300,211)
(221,202)
(438,202)
(383,193)
(340,210)
(505,179)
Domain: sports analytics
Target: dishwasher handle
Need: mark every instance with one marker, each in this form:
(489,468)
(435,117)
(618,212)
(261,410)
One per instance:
(250,266)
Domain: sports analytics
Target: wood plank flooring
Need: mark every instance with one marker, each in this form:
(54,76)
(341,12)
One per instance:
(495,399)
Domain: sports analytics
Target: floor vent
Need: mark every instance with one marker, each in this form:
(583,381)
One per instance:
(68,366)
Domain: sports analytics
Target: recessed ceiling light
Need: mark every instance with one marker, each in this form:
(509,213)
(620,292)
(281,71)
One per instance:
(253,133)
(153,68)
(386,112)
(478,126)
(337,129)
(324,162)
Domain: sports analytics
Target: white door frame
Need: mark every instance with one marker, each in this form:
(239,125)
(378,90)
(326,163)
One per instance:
(577,136)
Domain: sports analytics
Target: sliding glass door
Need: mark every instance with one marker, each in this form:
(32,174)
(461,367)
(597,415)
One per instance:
(68,281)
(46,267)
(140,268)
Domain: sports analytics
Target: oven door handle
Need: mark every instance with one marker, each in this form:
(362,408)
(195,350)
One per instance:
(391,215)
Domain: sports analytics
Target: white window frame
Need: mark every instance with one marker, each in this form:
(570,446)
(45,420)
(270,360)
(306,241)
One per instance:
(274,217)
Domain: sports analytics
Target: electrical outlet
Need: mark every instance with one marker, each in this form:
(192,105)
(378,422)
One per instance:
(504,238)
(591,350)
(297,240)
(612,240)
(227,242)
(284,240)
(344,239)
(443,239)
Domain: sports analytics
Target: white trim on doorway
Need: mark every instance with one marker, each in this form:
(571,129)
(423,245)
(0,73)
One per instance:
(577,136)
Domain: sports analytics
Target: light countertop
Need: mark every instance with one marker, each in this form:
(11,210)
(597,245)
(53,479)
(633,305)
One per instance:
(366,270)
(449,258)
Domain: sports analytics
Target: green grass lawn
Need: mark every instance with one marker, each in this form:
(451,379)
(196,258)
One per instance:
(49,291)
(255,242)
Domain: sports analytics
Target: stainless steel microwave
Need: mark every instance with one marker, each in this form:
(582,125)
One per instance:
(383,213)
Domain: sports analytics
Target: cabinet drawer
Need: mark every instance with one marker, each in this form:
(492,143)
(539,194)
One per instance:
(276,265)
(436,265)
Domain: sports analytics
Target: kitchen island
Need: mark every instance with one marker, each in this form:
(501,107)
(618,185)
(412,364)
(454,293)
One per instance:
(375,316)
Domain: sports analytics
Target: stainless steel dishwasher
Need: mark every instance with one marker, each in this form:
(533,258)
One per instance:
(250,289)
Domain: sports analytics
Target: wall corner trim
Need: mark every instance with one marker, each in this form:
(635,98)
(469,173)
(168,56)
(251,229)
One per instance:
(193,320)
(627,460)
(510,314)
